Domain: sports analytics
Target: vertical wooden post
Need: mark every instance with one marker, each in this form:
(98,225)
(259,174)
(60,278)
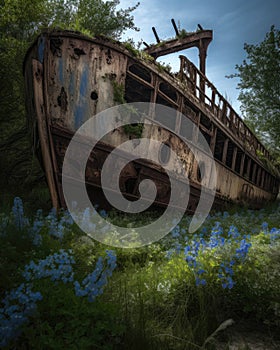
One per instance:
(262,180)
(182,67)
(195,136)
(213,140)
(202,56)
(179,115)
(248,169)
(213,98)
(258,179)
(234,158)
(254,172)
(242,164)
(202,67)
(225,151)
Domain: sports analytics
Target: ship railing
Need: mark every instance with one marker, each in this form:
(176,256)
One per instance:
(207,94)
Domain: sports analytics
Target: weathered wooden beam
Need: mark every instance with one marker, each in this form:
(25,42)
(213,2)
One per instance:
(196,39)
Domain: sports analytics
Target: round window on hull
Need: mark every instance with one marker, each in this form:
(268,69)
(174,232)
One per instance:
(200,171)
(164,153)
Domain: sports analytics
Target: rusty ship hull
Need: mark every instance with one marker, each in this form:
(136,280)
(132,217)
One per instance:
(70,77)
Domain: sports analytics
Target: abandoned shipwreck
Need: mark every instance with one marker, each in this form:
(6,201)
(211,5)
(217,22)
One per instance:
(70,77)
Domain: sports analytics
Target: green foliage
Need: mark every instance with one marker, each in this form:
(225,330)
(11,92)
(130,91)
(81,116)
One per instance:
(101,17)
(118,90)
(134,129)
(164,67)
(15,250)
(259,88)
(63,321)
(129,45)
(271,166)
(136,52)
(258,282)
(23,19)
(130,129)
(182,34)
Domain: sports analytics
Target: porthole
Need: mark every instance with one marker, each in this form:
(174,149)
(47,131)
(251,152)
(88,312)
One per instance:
(200,171)
(94,96)
(164,153)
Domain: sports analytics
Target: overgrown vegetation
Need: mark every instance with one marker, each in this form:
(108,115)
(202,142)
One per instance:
(182,34)
(134,130)
(272,166)
(118,91)
(164,67)
(61,289)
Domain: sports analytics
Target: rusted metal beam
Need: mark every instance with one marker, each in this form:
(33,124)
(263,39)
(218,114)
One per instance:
(175,27)
(156,35)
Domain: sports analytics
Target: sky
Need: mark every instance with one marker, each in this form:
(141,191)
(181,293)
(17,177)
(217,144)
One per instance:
(234,22)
